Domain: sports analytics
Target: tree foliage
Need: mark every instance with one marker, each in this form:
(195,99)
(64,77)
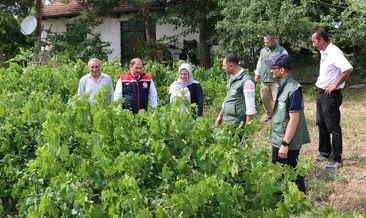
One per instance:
(10,36)
(245,23)
(17,7)
(79,41)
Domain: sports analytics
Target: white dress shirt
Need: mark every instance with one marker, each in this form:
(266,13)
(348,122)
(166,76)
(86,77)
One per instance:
(88,85)
(332,65)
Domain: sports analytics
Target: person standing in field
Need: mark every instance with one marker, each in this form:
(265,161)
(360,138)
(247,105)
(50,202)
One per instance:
(263,74)
(334,71)
(137,88)
(187,87)
(94,80)
(289,131)
(239,103)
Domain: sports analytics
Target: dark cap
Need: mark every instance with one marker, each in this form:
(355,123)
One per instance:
(281,60)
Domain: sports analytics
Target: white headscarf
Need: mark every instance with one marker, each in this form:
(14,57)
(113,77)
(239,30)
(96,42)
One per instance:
(179,84)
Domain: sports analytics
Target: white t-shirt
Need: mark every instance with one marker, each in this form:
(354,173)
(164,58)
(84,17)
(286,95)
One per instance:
(332,65)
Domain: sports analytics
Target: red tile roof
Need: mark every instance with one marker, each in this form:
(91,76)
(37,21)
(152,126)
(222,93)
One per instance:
(59,9)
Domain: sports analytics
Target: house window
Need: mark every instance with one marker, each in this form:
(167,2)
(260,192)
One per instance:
(132,35)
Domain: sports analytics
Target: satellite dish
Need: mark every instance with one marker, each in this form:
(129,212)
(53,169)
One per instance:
(28,25)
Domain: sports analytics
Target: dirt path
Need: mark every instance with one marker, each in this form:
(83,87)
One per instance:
(343,189)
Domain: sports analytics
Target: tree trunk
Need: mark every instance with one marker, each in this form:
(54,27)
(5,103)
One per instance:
(149,25)
(38,32)
(204,48)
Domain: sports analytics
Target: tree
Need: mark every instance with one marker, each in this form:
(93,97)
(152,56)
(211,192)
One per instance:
(246,21)
(79,41)
(17,7)
(10,36)
(198,16)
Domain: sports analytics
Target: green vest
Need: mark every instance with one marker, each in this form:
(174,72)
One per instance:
(265,70)
(234,102)
(281,117)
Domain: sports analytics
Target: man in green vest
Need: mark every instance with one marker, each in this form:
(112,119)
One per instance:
(263,74)
(239,103)
(289,131)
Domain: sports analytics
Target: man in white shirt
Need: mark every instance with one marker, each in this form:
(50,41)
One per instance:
(94,80)
(334,71)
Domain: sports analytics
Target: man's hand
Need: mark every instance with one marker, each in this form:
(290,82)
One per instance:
(282,152)
(218,121)
(330,88)
(257,78)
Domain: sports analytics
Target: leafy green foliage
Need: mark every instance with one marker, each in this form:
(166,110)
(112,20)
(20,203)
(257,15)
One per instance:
(79,42)
(10,36)
(246,22)
(61,155)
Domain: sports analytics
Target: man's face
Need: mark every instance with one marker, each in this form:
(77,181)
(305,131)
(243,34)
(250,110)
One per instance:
(276,71)
(94,68)
(227,67)
(136,69)
(269,43)
(317,43)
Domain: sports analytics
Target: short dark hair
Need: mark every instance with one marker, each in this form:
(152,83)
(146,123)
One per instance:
(270,37)
(232,58)
(321,34)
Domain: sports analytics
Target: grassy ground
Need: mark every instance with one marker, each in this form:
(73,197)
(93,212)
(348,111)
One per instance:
(343,189)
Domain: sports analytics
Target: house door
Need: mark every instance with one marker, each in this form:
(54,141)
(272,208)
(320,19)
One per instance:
(132,34)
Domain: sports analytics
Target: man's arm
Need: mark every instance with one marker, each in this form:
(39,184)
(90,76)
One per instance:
(344,76)
(153,95)
(118,90)
(249,97)
(219,117)
(291,126)
(257,76)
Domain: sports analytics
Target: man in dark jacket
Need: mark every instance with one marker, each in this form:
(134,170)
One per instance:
(136,87)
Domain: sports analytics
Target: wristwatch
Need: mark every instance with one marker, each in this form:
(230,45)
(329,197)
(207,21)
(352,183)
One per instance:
(284,143)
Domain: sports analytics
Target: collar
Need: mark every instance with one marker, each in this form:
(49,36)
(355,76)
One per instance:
(100,76)
(327,49)
(237,74)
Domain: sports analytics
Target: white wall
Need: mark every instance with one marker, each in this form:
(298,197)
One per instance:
(56,25)
(110,32)
(169,30)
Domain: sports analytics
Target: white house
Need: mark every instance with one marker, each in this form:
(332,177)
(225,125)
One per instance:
(116,29)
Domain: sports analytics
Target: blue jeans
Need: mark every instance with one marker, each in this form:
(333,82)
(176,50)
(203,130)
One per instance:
(328,119)
(291,160)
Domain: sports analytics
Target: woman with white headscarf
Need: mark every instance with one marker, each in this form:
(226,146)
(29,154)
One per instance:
(185,86)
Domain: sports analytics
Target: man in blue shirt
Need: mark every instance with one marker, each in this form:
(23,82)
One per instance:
(289,131)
